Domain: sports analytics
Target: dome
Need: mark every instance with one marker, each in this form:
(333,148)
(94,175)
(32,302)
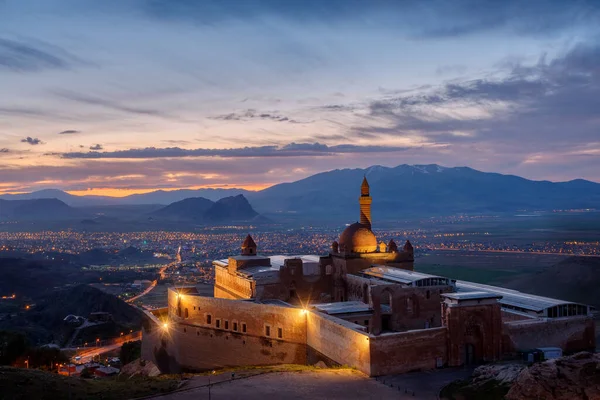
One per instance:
(357,238)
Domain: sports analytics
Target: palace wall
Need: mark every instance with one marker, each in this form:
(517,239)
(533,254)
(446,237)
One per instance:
(570,334)
(231,286)
(338,340)
(474,332)
(221,332)
(396,353)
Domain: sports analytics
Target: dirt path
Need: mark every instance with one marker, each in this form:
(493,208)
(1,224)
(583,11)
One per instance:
(314,385)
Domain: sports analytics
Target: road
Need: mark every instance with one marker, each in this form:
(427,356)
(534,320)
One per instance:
(87,354)
(152,286)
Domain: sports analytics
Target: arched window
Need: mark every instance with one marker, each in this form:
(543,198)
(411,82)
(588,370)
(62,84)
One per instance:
(186,314)
(428,294)
(386,298)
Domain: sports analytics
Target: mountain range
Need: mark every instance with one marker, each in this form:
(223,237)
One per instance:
(398,192)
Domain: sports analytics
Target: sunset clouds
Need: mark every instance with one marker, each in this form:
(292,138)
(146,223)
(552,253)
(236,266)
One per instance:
(181,93)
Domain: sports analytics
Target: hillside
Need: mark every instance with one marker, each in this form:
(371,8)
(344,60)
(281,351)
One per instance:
(575,278)
(201,210)
(192,209)
(38,209)
(34,278)
(398,192)
(44,322)
(22,384)
(233,208)
(423,190)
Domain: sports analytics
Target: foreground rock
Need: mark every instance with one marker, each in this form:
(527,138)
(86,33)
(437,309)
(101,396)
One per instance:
(568,378)
(140,368)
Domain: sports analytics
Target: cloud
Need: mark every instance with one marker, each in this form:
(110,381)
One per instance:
(32,56)
(112,105)
(552,103)
(253,114)
(69,132)
(32,141)
(96,147)
(289,150)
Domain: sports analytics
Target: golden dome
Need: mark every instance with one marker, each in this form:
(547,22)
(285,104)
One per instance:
(357,238)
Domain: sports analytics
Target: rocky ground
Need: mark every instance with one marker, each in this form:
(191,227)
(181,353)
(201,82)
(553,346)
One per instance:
(567,378)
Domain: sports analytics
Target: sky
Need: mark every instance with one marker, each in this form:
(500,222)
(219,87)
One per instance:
(116,97)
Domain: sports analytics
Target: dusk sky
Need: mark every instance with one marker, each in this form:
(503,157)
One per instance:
(123,96)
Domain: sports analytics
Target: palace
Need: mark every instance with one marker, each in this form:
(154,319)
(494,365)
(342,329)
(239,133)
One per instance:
(361,305)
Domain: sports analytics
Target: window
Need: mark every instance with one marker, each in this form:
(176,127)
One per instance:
(244,327)
(366,322)
(280,333)
(184,330)
(328,269)
(226,324)
(428,294)
(235,326)
(194,308)
(209,319)
(218,323)
(186,314)
(267,330)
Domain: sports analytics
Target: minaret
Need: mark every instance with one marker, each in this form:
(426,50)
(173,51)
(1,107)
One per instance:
(365,204)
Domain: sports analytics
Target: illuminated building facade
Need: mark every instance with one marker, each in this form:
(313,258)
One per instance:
(361,305)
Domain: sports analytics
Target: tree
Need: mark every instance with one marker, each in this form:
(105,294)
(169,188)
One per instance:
(12,346)
(130,351)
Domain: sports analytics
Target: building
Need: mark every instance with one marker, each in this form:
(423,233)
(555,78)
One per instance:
(361,305)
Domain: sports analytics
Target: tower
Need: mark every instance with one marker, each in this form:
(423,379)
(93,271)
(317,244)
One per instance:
(249,246)
(365,204)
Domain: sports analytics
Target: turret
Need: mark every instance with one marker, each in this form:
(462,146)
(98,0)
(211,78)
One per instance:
(249,246)
(408,248)
(335,247)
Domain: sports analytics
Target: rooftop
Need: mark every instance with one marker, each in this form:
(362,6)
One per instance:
(397,275)
(512,297)
(344,307)
(471,296)
(276,261)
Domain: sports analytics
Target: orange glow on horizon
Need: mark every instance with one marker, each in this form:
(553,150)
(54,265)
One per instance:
(112,192)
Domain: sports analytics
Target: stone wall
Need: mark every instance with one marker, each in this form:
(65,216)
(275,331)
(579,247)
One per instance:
(474,333)
(338,340)
(231,286)
(570,334)
(221,332)
(396,353)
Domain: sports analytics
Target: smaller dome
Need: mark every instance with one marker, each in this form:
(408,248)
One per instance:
(357,238)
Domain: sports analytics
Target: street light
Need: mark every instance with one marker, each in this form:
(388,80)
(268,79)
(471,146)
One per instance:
(165,326)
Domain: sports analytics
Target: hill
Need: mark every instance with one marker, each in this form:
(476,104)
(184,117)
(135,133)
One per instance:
(34,278)
(162,197)
(44,323)
(233,208)
(192,209)
(38,209)
(199,209)
(21,384)
(422,190)
(398,192)
(575,279)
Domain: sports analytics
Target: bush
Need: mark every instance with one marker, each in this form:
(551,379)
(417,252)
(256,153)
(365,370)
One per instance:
(130,351)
